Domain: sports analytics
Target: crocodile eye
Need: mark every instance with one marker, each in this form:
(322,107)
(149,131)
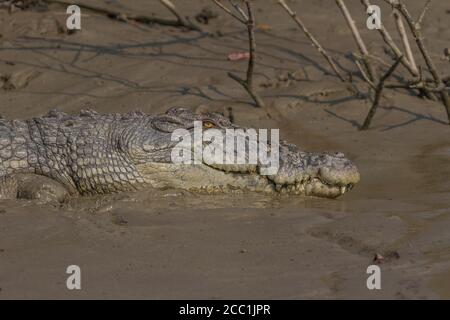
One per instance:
(208,125)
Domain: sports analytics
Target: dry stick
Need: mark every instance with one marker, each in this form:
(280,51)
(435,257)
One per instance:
(417,86)
(248,82)
(357,36)
(379,60)
(169,5)
(416,31)
(231,13)
(123,17)
(424,11)
(391,43)
(313,40)
(405,41)
(371,84)
(251,39)
(378,92)
(364,74)
(239,9)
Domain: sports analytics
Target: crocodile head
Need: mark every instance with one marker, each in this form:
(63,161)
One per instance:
(296,172)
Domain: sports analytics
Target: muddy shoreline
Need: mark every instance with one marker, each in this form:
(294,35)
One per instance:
(174,244)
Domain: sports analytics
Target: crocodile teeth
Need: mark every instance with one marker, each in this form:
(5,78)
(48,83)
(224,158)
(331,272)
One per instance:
(300,187)
(343,189)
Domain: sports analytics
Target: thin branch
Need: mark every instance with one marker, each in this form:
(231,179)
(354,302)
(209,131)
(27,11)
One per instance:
(250,24)
(424,11)
(364,74)
(417,86)
(417,33)
(391,43)
(123,17)
(379,60)
(313,40)
(258,101)
(231,13)
(239,9)
(405,41)
(251,39)
(169,5)
(378,92)
(397,52)
(357,36)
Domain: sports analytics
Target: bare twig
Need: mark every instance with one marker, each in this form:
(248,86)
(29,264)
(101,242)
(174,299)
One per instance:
(231,13)
(405,41)
(256,98)
(397,52)
(239,9)
(379,60)
(424,11)
(419,83)
(250,23)
(359,41)
(378,92)
(124,17)
(251,39)
(182,21)
(313,40)
(417,33)
(364,74)
(417,86)
(391,43)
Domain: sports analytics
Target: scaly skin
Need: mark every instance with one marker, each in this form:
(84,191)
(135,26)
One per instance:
(98,154)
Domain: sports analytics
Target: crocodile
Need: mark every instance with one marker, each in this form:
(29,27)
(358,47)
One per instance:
(58,155)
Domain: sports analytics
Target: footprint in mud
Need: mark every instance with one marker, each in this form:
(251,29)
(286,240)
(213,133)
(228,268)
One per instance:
(141,218)
(346,242)
(351,245)
(434,156)
(119,220)
(443,152)
(17,80)
(376,236)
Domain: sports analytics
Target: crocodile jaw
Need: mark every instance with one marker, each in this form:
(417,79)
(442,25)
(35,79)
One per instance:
(202,178)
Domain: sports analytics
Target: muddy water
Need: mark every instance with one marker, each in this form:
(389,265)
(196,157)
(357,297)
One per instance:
(177,244)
